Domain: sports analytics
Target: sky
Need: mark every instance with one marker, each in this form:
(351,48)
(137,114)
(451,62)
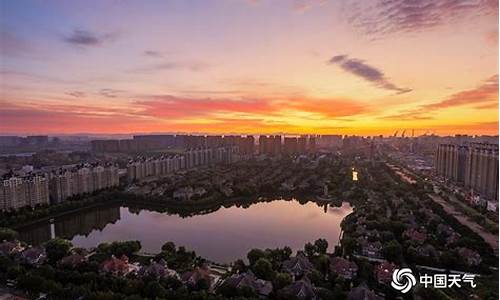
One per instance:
(364,67)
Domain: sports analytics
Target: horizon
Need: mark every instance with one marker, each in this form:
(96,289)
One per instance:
(131,134)
(249,67)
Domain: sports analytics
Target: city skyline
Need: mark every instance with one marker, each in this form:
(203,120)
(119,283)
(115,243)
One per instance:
(256,67)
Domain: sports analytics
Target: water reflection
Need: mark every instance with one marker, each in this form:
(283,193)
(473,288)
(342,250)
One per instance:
(223,235)
(82,223)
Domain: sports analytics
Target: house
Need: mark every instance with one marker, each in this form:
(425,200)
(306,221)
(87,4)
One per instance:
(370,249)
(427,251)
(8,248)
(33,256)
(343,267)
(362,292)
(8,296)
(249,280)
(383,272)
(298,266)
(119,266)
(445,230)
(193,278)
(183,193)
(301,290)
(158,270)
(415,235)
(471,257)
(453,238)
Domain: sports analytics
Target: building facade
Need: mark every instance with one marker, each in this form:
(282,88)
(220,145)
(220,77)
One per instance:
(474,165)
(65,183)
(27,191)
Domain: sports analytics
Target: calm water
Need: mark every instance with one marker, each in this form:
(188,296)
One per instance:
(222,236)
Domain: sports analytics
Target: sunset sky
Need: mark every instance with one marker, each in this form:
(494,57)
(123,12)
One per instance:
(240,66)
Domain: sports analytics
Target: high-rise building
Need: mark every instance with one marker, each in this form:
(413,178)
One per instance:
(290,145)
(65,183)
(329,141)
(17,192)
(475,165)
(301,144)
(105,145)
(37,140)
(312,144)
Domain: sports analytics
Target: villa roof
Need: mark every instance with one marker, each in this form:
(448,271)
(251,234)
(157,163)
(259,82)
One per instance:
(298,265)
(383,272)
(362,292)
(248,279)
(34,255)
(118,266)
(157,269)
(7,247)
(301,289)
(343,267)
(192,277)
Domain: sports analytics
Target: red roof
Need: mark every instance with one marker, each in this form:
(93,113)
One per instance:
(116,265)
(383,272)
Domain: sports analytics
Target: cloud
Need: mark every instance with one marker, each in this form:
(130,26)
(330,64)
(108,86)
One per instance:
(484,96)
(363,70)
(194,66)
(330,108)
(481,128)
(69,119)
(301,6)
(175,107)
(491,37)
(381,17)
(167,113)
(152,53)
(110,93)
(86,38)
(76,94)
(168,106)
(486,93)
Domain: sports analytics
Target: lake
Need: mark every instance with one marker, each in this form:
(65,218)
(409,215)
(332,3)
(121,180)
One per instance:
(222,236)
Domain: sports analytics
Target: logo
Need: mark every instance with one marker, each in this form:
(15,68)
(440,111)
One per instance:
(403,280)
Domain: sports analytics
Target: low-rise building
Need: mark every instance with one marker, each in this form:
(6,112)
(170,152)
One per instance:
(298,266)
(343,267)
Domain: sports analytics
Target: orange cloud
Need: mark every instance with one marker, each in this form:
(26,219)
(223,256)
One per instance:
(484,96)
(485,93)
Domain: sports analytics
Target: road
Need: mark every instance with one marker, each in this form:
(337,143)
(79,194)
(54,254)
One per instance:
(489,238)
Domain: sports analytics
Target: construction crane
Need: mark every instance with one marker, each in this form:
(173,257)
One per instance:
(396,133)
(403,134)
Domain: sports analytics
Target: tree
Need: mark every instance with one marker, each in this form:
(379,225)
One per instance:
(125,248)
(323,263)
(263,269)
(254,255)
(154,290)
(321,246)
(349,245)
(309,249)
(168,247)
(281,280)
(57,248)
(239,266)
(7,234)
(315,277)
(392,251)
(30,282)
